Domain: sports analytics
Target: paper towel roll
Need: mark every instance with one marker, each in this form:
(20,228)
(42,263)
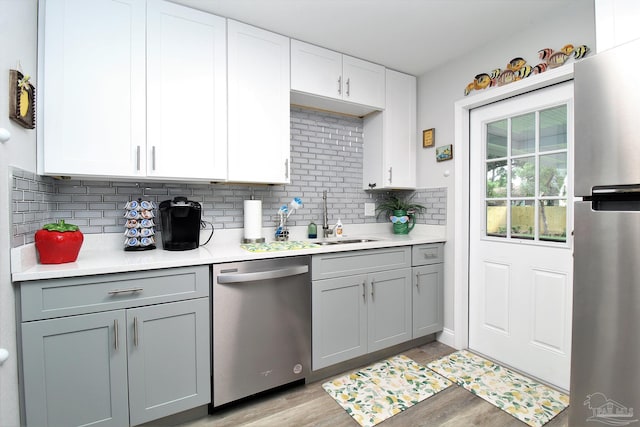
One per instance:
(253,220)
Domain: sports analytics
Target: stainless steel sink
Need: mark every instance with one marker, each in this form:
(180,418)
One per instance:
(343,241)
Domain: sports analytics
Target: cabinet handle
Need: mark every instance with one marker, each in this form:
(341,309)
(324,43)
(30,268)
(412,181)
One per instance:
(339,85)
(348,87)
(372,287)
(429,255)
(115,334)
(364,291)
(138,158)
(153,158)
(286,168)
(418,281)
(124,291)
(390,174)
(135,331)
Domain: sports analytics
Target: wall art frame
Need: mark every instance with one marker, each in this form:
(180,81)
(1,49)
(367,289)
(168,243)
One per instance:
(444,152)
(22,100)
(428,138)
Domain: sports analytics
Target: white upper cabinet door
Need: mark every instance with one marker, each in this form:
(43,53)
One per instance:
(258,105)
(389,159)
(400,129)
(616,22)
(91,102)
(316,70)
(320,76)
(363,82)
(186,93)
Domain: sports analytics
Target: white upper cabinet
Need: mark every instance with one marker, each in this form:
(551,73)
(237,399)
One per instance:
(186,93)
(616,22)
(390,137)
(258,105)
(131,89)
(320,76)
(316,70)
(363,82)
(91,98)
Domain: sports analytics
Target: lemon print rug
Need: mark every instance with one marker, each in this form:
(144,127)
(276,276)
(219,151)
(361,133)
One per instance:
(373,394)
(529,401)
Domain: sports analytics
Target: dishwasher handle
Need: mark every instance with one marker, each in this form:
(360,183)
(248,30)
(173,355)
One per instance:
(262,275)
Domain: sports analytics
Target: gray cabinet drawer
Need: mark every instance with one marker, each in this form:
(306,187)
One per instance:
(79,295)
(341,264)
(430,253)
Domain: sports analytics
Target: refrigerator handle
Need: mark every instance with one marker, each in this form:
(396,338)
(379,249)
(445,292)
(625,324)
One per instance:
(615,189)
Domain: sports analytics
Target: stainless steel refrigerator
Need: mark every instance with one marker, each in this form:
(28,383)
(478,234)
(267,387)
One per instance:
(605,354)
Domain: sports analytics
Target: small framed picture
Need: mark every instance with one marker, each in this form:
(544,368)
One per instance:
(444,152)
(22,99)
(428,137)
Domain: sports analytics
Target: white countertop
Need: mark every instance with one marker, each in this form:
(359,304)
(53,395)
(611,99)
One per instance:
(104,253)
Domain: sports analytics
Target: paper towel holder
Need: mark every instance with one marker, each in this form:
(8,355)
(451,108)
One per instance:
(258,240)
(252,239)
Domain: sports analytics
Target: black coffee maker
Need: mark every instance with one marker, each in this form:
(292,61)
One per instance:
(180,220)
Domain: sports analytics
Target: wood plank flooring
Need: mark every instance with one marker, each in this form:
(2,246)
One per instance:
(310,405)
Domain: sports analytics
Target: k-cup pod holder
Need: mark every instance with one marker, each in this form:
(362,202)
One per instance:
(139,226)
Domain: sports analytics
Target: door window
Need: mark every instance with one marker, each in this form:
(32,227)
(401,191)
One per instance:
(526,166)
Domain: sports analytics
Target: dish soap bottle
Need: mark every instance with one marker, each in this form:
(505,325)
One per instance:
(312,230)
(339,228)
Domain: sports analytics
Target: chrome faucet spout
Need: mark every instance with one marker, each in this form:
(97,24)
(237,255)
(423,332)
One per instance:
(325,216)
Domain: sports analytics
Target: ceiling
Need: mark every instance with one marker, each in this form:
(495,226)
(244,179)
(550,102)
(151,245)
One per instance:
(412,36)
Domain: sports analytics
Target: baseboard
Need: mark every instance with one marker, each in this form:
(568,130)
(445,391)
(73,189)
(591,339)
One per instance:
(448,337)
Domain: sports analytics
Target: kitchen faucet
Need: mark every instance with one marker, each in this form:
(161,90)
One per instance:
(327,231)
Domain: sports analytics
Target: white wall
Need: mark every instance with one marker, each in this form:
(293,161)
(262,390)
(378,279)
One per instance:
(439,89)
(18,43)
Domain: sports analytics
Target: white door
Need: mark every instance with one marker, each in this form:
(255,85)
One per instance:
(520,254)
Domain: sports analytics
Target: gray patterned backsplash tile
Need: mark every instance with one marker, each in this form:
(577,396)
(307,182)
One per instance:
(326,154)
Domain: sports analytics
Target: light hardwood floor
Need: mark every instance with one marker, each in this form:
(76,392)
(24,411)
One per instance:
(310,405)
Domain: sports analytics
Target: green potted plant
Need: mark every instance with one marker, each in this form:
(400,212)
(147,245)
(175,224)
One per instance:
(401,211)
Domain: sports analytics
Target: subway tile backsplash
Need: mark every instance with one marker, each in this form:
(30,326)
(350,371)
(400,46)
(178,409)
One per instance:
(326,154)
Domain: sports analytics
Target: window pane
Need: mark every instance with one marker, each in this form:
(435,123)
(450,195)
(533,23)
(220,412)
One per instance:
(523,134)
(522,219)
(497,218)
(497,178)
(553,220)
(523,177)
(553,128)
(553,175)
(497,139)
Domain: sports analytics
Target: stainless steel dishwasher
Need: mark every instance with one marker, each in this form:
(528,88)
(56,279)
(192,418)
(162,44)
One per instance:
(261,326)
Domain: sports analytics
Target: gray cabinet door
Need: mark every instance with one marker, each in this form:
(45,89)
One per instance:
(75,371)
(428,299)
(339,319)
(169,364)
(389,308)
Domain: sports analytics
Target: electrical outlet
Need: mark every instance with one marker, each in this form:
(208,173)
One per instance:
(369,209)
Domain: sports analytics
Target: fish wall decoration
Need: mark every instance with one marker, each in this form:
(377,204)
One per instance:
(518,69)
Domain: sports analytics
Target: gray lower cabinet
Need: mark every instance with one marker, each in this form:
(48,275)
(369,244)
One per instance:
(428,289)
(147,358)
(73,373)
(361,304)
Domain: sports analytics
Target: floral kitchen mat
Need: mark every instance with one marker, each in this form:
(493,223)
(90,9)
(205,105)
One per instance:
(527,400)
(384,389)
(278,246)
